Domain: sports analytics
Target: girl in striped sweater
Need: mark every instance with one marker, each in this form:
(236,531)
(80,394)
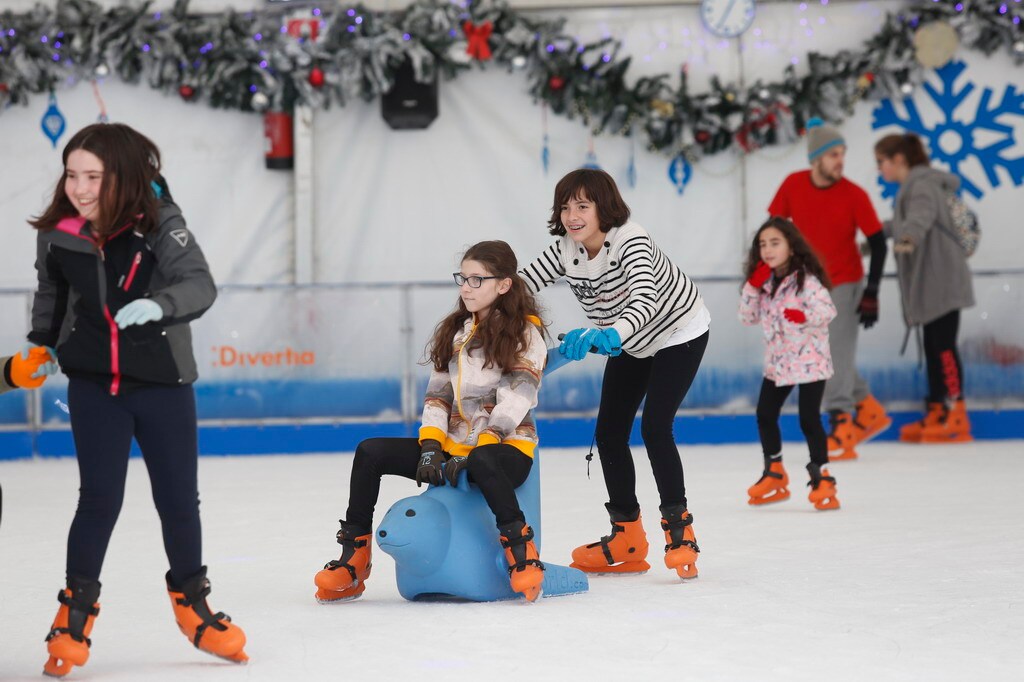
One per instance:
(650,320)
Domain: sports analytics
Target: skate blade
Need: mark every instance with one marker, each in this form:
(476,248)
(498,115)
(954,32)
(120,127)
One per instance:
(868,435)
(54,667)
(336,600)
(625,568)
(959,438)
(845,455)
(687,571)
(240,658)
(910,439)
(533,595)
(777,496)
(827,504)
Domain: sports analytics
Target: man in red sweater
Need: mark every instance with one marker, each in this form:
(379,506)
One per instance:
(828,209)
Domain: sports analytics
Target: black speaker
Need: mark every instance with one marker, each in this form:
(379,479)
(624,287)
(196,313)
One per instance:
(409,105)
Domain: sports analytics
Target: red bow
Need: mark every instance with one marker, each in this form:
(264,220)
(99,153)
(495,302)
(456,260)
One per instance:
(477,36)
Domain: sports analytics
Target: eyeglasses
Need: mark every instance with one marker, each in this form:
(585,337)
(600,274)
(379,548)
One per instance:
(474,280)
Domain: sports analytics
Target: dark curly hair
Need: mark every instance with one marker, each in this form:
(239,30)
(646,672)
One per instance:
(802,258)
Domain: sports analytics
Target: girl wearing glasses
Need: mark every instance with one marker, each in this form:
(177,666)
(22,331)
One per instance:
(487,357)
(650,320)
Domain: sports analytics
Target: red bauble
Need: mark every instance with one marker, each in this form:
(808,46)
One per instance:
(316,77)
(4,87)
(187,92)
(702,136)
(870,76)
(556,82)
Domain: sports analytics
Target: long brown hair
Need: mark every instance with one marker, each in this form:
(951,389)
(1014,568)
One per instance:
(908,145)
(130,163)
(503,333)
(596,186)
(802,258)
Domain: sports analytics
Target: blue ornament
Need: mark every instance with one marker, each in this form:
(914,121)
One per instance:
(631,168)
(591,161)
(53,121)
(679,172)
(545,155)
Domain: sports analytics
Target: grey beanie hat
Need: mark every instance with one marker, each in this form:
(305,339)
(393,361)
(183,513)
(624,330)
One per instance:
(821,138)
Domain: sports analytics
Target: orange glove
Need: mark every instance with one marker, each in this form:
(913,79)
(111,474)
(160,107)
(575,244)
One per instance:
(22,368)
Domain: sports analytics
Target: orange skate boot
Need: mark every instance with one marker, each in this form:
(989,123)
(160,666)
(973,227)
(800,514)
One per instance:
(525,571)
(823,488)
(344,579)
(681,548)
(68,642)
(871,418)
(213,633)
(771,487)
(911,433)
(845,435)
(624,551)
(953,426)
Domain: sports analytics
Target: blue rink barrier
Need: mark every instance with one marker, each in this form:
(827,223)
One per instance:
(695,429)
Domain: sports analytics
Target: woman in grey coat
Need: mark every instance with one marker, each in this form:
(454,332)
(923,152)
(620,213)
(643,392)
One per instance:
(935,282)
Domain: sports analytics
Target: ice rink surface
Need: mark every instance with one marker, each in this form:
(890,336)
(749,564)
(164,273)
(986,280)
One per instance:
(920,576)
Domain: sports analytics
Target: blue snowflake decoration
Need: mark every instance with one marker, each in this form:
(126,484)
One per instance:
(953,141)
(889,189)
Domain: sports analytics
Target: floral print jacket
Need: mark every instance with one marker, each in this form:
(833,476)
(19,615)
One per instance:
(795,353)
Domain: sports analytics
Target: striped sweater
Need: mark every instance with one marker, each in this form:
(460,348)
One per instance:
(630,285)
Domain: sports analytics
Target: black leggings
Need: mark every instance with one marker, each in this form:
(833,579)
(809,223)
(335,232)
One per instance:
(163,421)
(769,406)
(664,379)
(496,469)
(945,372)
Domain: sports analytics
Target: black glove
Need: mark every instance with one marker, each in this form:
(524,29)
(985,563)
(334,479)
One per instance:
(453,468)
(868,307)
(431,461)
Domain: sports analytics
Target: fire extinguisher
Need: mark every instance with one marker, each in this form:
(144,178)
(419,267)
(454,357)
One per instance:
(278,140)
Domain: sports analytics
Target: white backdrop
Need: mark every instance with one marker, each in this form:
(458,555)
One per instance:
(399,206)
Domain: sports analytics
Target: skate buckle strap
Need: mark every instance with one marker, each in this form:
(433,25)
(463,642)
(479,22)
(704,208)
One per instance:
(520,565)
(767,473)
(335,564)
(604,542)
(678,526)
(342,540)
(65,631)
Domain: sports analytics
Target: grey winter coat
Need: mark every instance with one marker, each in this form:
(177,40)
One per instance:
(934,277)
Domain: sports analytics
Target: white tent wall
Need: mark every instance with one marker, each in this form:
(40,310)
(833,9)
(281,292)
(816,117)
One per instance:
(393,208)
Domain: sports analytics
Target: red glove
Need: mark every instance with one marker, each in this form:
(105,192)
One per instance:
(760,275)
(795,316)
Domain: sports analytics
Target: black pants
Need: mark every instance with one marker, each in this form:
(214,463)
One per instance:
(163,421)
(496,469)
(769,406)
(664,379)
(945,372)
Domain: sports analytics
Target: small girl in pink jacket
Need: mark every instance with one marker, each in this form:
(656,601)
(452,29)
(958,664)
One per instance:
(787,292)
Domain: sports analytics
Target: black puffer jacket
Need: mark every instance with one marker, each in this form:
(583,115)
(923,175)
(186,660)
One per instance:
(83,284)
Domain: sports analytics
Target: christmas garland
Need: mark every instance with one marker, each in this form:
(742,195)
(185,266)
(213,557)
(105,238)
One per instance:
(255,61)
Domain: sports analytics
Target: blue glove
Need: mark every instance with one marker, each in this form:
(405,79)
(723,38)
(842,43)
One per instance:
(575,344)
(139,311)
(48,368)
(607,342)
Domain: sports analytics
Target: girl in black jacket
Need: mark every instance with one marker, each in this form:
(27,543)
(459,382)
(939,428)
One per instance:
(120,277)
